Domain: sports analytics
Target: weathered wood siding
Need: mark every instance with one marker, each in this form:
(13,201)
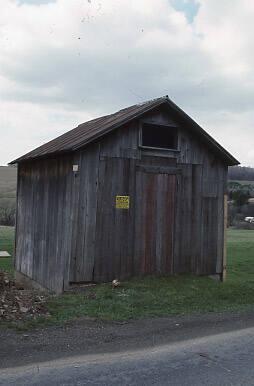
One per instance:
(68,229)
(84,201)
(154,222)
(114,228)
(199,230)
(44,220)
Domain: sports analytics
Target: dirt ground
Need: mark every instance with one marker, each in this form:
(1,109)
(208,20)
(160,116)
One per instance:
(19,304)
(89,336)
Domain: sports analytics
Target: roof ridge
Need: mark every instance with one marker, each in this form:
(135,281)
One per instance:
(124,108)
(96,128)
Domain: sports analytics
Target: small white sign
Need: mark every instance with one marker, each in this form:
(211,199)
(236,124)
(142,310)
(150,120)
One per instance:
(75,168)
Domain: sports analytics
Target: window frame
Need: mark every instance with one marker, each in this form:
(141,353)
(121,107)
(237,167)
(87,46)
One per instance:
(165,149)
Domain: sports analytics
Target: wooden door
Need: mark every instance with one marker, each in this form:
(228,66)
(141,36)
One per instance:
(154,222)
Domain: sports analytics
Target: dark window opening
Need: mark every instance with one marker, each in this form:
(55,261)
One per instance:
(164,137)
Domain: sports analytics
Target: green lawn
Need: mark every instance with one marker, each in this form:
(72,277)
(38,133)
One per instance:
(169,295)
(8,182)
(163,296)
(7,244)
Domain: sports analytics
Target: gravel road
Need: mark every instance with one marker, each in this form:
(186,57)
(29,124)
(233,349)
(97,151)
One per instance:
(88,336)
(220,359)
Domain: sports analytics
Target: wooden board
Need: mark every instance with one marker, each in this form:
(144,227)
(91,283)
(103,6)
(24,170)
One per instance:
(154,223)
(69,229)
(224,267)
(183,228)
(209,235)
(84,221)
(114,227)
(44,221)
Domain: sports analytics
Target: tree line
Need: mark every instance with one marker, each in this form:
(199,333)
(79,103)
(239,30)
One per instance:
(241,173)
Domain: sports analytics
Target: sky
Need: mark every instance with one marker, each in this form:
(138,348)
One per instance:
(64,62)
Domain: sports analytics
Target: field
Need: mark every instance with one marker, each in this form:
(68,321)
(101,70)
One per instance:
(6,244)
(153,296)
(8,180)
(7,239)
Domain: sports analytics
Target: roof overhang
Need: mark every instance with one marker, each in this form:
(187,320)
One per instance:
(105,125)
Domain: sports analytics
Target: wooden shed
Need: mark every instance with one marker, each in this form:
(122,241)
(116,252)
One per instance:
(141,191)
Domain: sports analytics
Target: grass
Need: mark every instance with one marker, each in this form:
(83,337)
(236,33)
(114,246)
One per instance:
(150,297)
(153,296)
(8,181)
(7,244)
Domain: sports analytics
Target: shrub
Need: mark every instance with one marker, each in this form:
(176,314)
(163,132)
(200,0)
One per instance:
(7,215)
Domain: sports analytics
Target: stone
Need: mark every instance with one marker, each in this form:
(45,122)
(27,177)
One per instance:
(4,254)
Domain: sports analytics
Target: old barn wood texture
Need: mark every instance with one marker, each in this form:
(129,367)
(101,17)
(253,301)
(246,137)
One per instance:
(167,173)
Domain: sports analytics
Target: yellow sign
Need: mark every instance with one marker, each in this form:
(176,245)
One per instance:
(122,202)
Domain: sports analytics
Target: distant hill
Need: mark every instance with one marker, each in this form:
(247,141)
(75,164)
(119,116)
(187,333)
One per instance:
(8,182)
(243,182)
(241,173)
(8,186)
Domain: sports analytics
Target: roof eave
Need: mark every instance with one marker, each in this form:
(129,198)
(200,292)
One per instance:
(156,103)
(224,154)
(231,160)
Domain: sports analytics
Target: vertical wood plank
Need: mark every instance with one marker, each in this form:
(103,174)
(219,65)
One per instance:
(224,272)
(114,227)
(154,223)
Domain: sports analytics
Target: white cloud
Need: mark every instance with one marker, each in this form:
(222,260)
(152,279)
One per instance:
(227,29)
(26,126)
(65,61)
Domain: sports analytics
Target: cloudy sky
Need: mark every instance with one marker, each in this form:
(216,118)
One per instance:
(63,62)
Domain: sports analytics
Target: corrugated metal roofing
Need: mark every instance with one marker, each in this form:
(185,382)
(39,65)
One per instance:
(96,128)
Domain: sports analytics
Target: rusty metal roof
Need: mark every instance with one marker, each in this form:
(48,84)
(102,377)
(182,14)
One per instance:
(89,131)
